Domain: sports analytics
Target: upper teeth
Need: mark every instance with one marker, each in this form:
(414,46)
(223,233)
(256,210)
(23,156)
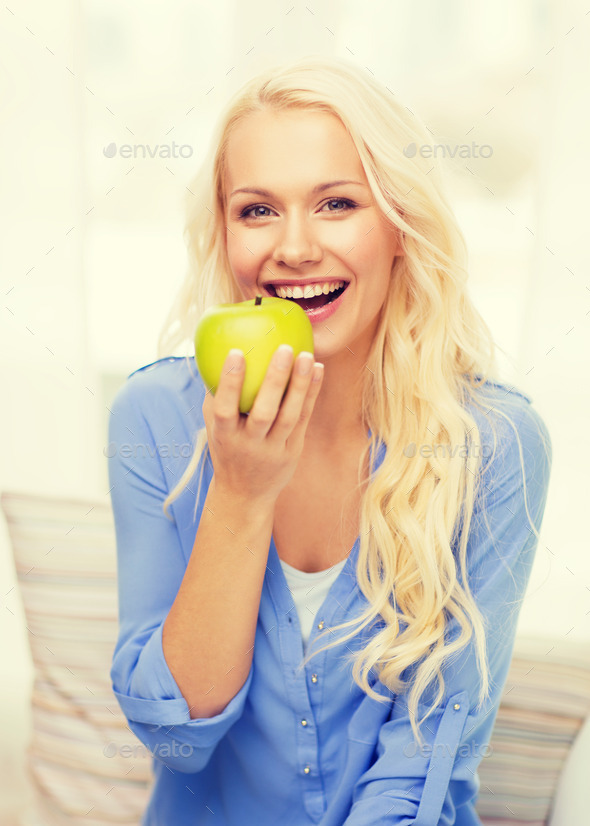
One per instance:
(309,290)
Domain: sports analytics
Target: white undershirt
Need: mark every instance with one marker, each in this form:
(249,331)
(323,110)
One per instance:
(309,591)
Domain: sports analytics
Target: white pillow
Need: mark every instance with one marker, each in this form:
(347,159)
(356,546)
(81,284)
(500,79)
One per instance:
(84,764)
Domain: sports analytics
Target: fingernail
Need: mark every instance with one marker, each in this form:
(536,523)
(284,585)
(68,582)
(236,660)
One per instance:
(318,371)
(235,359)
(304,363)
(284,355)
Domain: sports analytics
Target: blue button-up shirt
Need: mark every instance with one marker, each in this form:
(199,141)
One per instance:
(299,746)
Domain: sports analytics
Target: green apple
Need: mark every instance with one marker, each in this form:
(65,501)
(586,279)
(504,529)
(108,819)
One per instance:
(257,327)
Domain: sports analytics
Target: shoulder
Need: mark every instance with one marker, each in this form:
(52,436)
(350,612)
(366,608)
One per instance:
(503,412)
(174,373)
(514,437)
(163,388)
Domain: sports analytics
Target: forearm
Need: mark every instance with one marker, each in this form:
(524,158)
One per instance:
(208,635)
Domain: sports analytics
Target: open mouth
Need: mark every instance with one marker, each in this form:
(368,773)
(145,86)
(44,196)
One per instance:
(312,302)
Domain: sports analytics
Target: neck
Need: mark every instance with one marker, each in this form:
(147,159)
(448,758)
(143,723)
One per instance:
(336,418)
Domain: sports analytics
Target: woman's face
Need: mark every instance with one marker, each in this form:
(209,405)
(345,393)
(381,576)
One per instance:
(306,229)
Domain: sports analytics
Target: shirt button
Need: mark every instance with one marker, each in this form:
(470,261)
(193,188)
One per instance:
(304,722)
(306,770)
(314,678)
(456,706)
(320,625)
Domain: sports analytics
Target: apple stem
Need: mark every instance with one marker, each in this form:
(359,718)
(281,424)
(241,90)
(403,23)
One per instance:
(258,300)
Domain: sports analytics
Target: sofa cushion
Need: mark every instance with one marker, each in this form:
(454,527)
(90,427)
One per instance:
(544,704)
(84,764)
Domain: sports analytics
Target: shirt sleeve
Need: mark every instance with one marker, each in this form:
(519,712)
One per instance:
(151,565)
(425,785)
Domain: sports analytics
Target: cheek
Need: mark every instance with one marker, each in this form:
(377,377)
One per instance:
(377,249)
(241,260)
(370,253)
(373,258)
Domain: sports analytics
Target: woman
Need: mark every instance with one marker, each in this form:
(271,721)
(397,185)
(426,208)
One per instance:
(380,517)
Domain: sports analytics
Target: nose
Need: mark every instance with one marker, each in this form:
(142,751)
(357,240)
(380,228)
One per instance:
(297,243)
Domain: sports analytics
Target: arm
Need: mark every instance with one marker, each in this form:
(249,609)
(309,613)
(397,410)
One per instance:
(151,567)
(209,633)
(208,636)
(424,786)
(183,659)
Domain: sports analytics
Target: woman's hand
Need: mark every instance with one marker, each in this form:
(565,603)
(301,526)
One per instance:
(255,456)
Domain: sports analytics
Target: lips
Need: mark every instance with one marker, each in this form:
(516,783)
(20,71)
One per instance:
(306,290)
(317,306)
(310,296)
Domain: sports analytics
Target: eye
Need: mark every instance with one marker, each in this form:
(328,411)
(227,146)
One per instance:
(245,213)
(252,212)
(347,204)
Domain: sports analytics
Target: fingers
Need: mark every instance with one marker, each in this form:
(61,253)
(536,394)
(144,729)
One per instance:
(268,399)
(224,407)
(283,404)
(297,407)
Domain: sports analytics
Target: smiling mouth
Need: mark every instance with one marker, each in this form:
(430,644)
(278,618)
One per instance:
(315,301)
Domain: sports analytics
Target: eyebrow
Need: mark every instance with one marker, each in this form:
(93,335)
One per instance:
(319,188)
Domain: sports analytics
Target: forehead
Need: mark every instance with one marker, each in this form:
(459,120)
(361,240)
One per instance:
(267,148)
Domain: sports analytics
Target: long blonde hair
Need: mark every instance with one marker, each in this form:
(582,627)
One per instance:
(431,355)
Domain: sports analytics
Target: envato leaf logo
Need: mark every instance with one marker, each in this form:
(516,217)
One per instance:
(110,151)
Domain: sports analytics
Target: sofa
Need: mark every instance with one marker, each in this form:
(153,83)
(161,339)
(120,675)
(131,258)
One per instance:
(86,768)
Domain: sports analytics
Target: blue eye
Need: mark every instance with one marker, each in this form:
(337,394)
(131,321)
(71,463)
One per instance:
(248,212)
(348,204)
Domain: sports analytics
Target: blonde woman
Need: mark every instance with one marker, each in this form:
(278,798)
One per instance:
(318,600)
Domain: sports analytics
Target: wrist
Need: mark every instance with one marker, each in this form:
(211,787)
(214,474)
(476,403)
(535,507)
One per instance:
(223,496)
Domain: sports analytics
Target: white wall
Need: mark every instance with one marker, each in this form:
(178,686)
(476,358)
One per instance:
(92,247)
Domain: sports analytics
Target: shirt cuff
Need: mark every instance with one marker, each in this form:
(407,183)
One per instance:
(157,700)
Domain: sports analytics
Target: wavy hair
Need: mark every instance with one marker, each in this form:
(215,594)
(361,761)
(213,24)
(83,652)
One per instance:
(432,353)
